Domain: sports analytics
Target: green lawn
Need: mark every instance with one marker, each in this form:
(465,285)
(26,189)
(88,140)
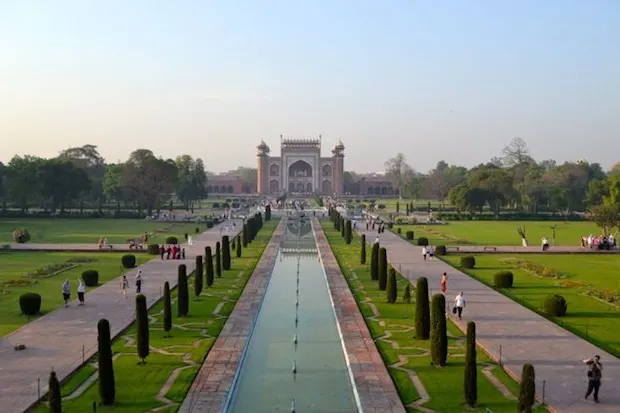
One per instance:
(15,265)
(445,385)
(502,232)
(138,386)
(591,318)
(117,231)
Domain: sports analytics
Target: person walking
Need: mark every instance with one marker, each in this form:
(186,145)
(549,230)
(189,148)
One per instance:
(66,292)
(424,252)
(595,372)
(139,281)
(124,285)
(444,283)
(81,290)
(459,304)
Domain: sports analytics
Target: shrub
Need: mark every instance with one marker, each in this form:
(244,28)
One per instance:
(397,207)
(374,262)
(55,399)
(172,240)
(409,235)
(471,369)
(215,205)
(383,268)
(107,386)
(153,249)
(381,206)
(407,294)
(209,269)
(527,389)
(422,241)
(246,235)
(209,224)
(348,232)
(440,250)
(128,261)
(218,259)
(468,261)
(197,230)
(167,309)
(399,230)
(392,287)
(503,279)
(555,305)
(238,251)
(30,303)
(182,291)
(198,276)
(21,236)
(225,253)
(90,278)
(439,335)
(363,249)
(422,310)
(142,322)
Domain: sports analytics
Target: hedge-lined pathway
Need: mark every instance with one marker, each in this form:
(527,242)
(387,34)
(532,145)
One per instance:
(522,335)
(66,337)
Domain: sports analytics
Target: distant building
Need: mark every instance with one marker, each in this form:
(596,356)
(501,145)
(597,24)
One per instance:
(376,184)
(229,183)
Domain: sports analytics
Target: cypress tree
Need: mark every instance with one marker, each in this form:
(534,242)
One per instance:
(198,276)
(233,244)
(268,213)
(383,268)
(225,253)
(527,391)
(167,309)
(397,207)
(238,247)
(422,310)
(54,396)
(374,262)
(182,292)
(107,387)
(407,294)
(342,227)
(245,235)
(209,258)
(347,232)
(218,260)
(363,249)
(471,369)
(439,334)
(142,322)
(392,287)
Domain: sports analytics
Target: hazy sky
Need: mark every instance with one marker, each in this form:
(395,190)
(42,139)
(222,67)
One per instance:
(452,80)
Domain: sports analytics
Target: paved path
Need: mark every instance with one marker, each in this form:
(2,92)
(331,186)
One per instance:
(73,247)
(522,335)
(508,249)
(64,338)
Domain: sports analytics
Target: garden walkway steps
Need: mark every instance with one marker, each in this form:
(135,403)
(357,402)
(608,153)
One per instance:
(65,337)
(522,335)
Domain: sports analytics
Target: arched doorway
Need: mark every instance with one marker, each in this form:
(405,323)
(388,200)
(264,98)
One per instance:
(309,188)
(326,187)
(300,169)
(299,187)
(274,186)
(274,170)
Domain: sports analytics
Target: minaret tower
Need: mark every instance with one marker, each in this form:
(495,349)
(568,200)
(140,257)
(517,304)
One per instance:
(262,166)
(338,168)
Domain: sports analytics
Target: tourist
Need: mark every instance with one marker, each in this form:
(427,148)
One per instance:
(545,244)
(139,281)
(376,240)
(459,304)
(162,251)
(168,252)
(183,253)
(100,242)
(66,292)
(444,283)
(595,372)
(81,290)
(124,285)
(431,251)
(424,252)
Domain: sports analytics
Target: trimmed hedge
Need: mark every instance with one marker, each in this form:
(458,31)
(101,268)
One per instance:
(423,241)
(128,261)
(503,279)
(555,305)
(409,235)
(172,240)
(30,303)
(440,250)
(90,278)
(153,249)
(468,261)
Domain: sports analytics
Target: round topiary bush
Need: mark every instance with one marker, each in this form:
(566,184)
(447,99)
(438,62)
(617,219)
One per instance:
(172,240)
(399,230)
(555,305)
(468,262)
(128,260)
(153,249)
(30,303)
(21,235)
(440,250)
(90,278)
(215,205)
(409,234)
(503,279)
(422,241)
(209,224)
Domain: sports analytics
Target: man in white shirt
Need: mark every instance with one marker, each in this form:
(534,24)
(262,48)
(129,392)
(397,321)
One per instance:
(459,303)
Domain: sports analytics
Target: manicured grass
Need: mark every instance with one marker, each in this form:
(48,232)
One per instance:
(117,231)
(137,386)
(590,318)
(502,232)
(15,265)
(444,385)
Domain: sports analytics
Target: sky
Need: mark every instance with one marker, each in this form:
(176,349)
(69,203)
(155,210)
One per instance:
(435,80)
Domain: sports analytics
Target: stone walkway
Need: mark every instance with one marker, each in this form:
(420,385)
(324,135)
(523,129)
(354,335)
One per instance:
(507,249)
(214,381)
(520,335)
(373,383)
(73,248)
(65,338)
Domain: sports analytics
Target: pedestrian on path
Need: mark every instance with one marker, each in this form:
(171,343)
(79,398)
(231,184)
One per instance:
(124,285)
(444,283)
(424,252)
(81,290)
(431,252)
(595,372)
(376,240)
(162,251)
(139,281)
(459,304)
(66,292)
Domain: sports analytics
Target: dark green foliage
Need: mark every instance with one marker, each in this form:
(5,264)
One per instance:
(397,207)
(107,386)
(142,323)
(468,261)
(409,235)
(21,236)
(422,310)
(471,369)
(503,279)
(153,249)
(399,230)
(383,268)
(245,235)
(347,232)
(198,276)
(238,247)
(439,333)
(209,262)
(363,249)
(440,250)
(218,260)
(233,244)
(167,309)
(392,287)
(527,390)
(55,399)
(374,262)
(422,241)
(268,213)
(555,305)
(30,303)
(182,292)
(90,278)
(128,261)
(172,240)
(342,226)
(407,294)
(225,253)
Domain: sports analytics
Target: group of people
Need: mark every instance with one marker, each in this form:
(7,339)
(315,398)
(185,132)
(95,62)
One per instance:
(174,252)
(601,242)
(66,292)
(428,251)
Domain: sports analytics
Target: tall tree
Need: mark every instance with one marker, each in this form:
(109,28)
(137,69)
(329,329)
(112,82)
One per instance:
(59,181)
(22,179)
(516,152)
(398,171)
(191,179)
(142,322)
(54,396)
(87,158)
(113,181)
(107,386)
(471,368)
